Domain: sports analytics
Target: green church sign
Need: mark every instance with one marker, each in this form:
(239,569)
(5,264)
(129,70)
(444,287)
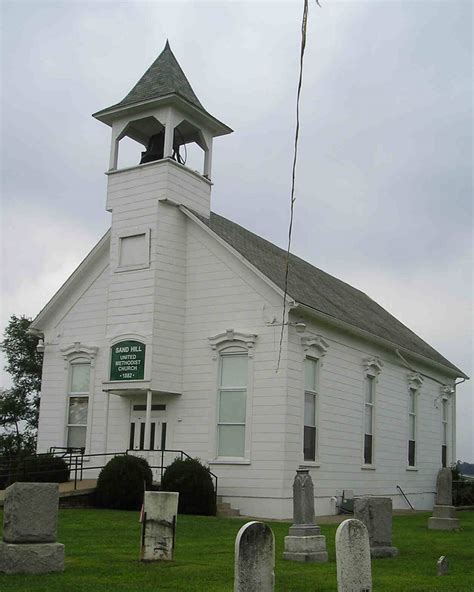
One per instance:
(127,361)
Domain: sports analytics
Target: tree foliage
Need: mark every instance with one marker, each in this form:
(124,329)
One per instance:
(19,405)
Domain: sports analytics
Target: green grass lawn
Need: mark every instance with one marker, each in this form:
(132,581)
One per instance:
(102,550)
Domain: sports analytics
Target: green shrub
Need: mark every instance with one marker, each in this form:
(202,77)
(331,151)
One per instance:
(122,482)
(195,486)
(45,468)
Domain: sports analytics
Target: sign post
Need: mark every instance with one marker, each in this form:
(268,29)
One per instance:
(127,361)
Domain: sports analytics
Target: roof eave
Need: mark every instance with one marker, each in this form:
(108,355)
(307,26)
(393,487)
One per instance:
(110,114)
(452,370)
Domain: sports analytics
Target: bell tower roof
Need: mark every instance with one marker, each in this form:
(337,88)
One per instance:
(162,113)
(163,77)
(163,83)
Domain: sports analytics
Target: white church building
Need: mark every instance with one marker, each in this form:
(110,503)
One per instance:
(167,336)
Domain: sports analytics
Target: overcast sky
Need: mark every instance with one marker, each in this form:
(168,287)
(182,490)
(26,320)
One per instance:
(384,179)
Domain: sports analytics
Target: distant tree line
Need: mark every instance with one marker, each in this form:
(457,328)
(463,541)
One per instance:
(465,468)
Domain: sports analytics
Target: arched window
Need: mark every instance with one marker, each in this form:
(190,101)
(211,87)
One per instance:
(415,381)
(373,367)
(78,402)
(232,403)
(315,348)
(79,360)
(232,352)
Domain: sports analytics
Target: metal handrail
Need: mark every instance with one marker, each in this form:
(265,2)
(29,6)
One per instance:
(406,499)
(75,458)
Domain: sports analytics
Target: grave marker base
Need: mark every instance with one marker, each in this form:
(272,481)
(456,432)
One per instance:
(444,518)
(381,552)
(306,549)
(31,558)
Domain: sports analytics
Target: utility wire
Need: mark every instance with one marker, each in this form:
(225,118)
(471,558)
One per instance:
(293,173)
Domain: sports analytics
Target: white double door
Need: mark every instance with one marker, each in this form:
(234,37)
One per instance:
(157,439)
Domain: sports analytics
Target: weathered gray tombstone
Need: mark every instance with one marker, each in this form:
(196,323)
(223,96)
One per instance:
(160,510)
(353,557)
(254,561)
(442,566)
(444,513)
(304,542)
(30,521)
(376,514)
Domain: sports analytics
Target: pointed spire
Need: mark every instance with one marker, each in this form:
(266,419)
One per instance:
(163,77)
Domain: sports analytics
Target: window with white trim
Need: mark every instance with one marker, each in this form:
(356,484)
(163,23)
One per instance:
(310,436)
(78,403)
(412,408)
(444,432)
(232,405)
(369,410)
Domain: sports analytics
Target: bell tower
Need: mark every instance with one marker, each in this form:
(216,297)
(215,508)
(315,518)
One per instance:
(146,296)
(163,114)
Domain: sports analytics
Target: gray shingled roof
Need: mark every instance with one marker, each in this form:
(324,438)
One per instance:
(317,289)
(163,77)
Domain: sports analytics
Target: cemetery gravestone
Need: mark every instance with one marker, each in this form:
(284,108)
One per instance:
(444,513)
(304,541)
(353,557)
(30,521)
(254,558)
(160,509)
(442,566)
(376,514)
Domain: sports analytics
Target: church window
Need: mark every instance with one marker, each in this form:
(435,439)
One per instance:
(369,420)
(232,404)
(78,404)
(412,408)
(310,409)
(444,433)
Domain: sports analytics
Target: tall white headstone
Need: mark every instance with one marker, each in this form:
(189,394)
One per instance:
(353,557)
(160,511)
(254,558)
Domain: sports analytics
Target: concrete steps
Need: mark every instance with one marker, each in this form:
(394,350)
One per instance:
(225,510)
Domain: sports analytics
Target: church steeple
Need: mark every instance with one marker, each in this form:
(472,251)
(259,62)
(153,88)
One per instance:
(162,113)
(163,77)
